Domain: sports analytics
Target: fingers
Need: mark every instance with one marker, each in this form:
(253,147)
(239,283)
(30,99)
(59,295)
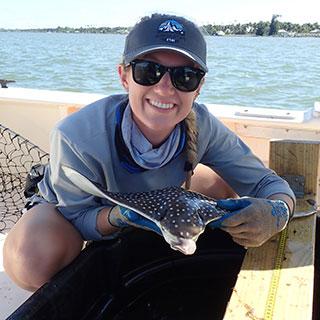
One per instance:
(234,204)
(220,222)
(231,218)
(249,243)
(234,219)
(137,220)
(237,230)
(130,215)
(247,235)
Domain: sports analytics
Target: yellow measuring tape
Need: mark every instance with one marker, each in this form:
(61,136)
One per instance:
(271,299)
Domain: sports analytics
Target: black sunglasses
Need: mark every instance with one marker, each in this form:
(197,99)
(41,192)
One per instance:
(148,73)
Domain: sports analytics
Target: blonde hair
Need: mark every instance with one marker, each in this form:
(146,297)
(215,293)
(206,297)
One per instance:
(191,145)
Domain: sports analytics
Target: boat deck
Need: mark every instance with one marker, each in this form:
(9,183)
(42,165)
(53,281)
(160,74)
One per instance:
(254,128)
(11,296)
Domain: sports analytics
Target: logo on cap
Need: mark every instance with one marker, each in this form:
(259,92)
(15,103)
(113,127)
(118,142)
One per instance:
(171,26)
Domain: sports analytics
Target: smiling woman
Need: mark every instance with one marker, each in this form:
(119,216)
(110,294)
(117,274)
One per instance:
(157,108)
(153,137)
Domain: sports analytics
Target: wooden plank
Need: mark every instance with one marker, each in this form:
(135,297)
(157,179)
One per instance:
(267,288)
(271,132)
(295,287)
(298,158)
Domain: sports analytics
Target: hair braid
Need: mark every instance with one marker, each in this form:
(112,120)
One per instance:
(191,144)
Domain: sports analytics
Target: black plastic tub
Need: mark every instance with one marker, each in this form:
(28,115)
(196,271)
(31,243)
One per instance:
(316,287)
(138,276)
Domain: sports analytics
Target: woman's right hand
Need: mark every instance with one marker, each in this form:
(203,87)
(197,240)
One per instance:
(121,217)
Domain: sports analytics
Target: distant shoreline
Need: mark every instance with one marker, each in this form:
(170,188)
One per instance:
(296,35)
(262,28)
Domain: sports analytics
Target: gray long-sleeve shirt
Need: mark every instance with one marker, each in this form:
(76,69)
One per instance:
(85,141)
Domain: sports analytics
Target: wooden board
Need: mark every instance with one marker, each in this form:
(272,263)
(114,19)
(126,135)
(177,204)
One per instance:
(298,158)
(293,296)
(269,288)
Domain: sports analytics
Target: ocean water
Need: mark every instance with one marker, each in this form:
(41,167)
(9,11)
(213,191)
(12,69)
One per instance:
(247,71)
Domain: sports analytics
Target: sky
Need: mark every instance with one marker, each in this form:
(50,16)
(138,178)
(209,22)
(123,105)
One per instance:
(96,13)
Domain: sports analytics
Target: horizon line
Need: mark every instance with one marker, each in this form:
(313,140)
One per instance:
(127,27)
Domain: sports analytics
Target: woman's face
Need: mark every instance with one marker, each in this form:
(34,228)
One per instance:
(158,108)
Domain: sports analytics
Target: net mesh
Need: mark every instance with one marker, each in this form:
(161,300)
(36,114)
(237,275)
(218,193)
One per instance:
(17,156)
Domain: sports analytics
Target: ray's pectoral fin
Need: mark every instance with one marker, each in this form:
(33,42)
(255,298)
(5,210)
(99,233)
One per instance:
(82,182)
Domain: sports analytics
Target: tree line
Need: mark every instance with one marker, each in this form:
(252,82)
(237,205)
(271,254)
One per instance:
(88,29)
(262,28)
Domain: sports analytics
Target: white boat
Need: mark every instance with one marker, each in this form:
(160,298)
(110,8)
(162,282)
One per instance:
(32,114)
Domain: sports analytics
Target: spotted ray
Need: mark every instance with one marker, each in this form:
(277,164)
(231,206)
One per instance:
(181,215)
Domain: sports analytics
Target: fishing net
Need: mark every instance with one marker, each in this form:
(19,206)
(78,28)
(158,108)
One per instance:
(17,156)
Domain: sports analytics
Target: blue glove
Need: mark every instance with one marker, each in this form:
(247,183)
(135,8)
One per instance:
(233,206)
(252,221)
(121,217)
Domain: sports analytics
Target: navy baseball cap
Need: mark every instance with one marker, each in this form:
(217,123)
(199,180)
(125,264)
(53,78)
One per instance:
(169,32)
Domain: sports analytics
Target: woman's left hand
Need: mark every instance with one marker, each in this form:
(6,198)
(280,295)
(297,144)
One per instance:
(254,220)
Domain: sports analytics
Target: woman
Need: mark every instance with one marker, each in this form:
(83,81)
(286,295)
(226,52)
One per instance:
(150,138)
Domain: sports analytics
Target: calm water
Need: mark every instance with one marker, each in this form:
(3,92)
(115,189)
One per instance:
(248,71)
